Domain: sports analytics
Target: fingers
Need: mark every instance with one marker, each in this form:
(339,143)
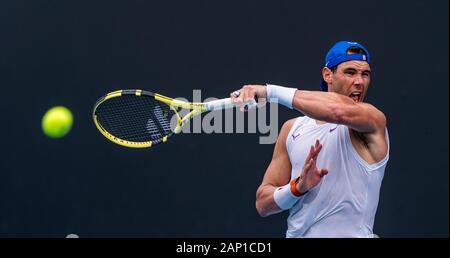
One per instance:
(314,151)
(235,96)
(323,172)
(245,95)
(308,166)
(317,148)
(249,93)
(313,163)
(317,145)
(310,154)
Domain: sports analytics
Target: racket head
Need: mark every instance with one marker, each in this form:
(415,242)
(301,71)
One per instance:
(135,118)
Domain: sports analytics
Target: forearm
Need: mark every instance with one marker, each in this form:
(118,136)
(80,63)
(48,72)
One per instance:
(325,106)
(265,203)
(274,199)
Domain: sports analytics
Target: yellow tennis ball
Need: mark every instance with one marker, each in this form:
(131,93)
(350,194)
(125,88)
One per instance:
(57,122)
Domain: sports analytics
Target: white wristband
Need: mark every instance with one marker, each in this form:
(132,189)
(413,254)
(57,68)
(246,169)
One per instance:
(284,197)
(282,95)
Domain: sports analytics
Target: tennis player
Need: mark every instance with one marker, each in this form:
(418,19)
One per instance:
(328,165)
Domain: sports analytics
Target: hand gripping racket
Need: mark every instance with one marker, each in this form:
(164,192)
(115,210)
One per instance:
(141,119)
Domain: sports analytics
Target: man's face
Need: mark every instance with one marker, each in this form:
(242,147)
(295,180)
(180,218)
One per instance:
(351,79)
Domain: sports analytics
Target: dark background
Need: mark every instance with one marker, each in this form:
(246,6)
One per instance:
(203,185)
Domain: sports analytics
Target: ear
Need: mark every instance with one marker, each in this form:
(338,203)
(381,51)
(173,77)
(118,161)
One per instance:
(326,74)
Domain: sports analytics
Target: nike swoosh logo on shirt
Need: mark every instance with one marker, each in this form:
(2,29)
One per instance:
(294,136)
(331,130)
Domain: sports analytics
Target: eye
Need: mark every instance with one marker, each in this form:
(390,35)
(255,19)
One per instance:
(350,72)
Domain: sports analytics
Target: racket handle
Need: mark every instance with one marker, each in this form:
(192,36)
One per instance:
(227,103)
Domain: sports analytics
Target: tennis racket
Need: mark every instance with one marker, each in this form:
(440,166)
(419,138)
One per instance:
(141,119)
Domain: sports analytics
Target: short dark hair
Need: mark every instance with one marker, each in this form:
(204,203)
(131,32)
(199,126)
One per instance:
(351,50)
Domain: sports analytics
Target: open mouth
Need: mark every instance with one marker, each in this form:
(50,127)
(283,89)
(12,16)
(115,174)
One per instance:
(356,96)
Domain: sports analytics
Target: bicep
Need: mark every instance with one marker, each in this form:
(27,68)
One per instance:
(364,118)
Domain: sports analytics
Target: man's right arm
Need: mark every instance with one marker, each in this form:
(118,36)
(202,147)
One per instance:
(277,174)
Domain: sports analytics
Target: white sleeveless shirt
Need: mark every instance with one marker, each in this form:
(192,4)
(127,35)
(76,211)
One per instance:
(345,202)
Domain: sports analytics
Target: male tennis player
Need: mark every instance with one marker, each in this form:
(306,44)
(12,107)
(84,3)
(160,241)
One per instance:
(328,165)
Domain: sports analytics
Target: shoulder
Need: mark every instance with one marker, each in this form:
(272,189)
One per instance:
(285,131)
(287,126)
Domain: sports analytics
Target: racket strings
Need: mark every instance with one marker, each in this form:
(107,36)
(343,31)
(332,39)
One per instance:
(136,119)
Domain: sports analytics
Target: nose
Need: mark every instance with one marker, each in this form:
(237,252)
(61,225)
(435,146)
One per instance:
(358,80)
